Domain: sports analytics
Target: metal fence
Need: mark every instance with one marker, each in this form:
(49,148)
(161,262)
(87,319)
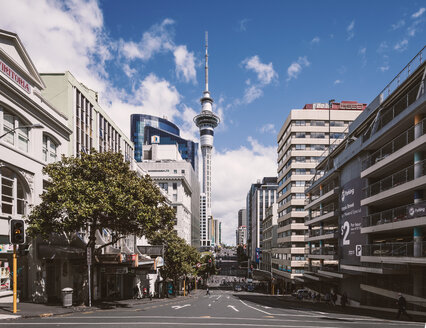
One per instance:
(392,215)
(392,249)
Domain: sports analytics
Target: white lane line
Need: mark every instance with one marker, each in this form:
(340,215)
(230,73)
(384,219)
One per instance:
(233,308)
(252,307)
(177,307)
(185,324)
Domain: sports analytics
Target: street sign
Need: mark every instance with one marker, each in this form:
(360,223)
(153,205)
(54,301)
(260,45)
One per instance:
(198,265)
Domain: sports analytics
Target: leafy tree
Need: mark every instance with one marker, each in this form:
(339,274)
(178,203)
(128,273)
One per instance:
(179,258)
(96,191)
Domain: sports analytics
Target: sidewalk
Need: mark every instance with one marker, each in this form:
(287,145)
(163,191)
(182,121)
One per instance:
(382,313)
(32,310)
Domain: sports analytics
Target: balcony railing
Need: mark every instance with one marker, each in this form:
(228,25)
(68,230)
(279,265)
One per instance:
(389,216)
(392,249)
(326,209)
(398,178)
(323,251)
(403,75)
(317,232)
(394,145)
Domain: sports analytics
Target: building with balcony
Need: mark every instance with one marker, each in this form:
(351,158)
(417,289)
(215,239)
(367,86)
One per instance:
(303,140)
(371,188)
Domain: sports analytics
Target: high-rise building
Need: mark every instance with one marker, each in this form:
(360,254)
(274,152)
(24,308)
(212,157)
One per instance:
(206,121)
(260,196)
(302,141)
(367,209)
(148,129)
(242,217)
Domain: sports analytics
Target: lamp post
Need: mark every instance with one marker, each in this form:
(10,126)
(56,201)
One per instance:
(330,104)
(29,127)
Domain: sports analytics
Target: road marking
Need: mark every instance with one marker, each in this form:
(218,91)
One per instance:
(252,307)
(233,308)
(154,323)
(269,316)
(206,316)
(227,297)
(210,305)
(178,307)
(266,307)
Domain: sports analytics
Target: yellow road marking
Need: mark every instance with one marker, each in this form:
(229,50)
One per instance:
(268,316)
(206,316)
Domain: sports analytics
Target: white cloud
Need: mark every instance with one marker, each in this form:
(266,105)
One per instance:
(401,46)
(382,47)
(384,68)
(243,24)
(185,64)
(338,82)
(251,93)
(245,165)
(418,13)
(159,39)
(315,40)
(363,53)
(350,30)
(61,36)
(268,128)
(265,72)
(296,67)
(128,70)
(398,25)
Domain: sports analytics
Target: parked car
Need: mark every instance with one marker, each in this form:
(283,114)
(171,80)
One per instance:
(238,288)
(301,293)
(250,288)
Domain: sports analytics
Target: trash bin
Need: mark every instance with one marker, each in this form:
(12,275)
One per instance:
(67,297)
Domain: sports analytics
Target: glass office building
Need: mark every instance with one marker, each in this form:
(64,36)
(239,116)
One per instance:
(144,128)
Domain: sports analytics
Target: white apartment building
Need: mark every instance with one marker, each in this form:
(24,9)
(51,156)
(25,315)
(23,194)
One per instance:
(303,139)
(178,179)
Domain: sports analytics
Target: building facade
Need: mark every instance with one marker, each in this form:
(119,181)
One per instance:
(269,237)
(372,190)
(260,196)
(148,129)
(180,182)
(302,141)
(33,133)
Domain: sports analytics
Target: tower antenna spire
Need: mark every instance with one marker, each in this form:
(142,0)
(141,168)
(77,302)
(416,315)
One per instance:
(207,62)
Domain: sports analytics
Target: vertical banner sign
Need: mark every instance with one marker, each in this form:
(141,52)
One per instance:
(350,221)
(257,255)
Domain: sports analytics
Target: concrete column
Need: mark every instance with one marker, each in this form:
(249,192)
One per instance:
(418,242)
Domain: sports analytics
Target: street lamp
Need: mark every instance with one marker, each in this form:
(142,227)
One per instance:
(330,103)
(32,126)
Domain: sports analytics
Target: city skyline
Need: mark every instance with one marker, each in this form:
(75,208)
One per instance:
(147,58)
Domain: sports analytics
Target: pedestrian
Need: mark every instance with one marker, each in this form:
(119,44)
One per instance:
(334,298)
(402,304)
(207,291)
(327,298)
(344,300)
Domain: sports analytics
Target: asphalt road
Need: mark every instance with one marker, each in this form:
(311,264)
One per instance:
(223,308)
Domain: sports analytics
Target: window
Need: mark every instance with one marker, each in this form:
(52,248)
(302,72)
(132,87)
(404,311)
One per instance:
(299,123)
(300,147)
(49,150)
(317,123)
(13,195)
(183,171)
(337,123)
(318,135)
(174,185)
(19,137)
(299,135)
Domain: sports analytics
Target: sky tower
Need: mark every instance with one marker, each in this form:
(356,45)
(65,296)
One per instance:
(206,121)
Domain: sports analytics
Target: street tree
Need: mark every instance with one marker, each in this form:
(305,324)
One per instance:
(180,259)
(99,191)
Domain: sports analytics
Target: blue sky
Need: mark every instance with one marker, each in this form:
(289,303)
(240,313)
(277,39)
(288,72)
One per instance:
(265,59)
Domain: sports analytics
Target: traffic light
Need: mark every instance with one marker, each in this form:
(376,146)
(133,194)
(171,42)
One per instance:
(210,262)
(17,231)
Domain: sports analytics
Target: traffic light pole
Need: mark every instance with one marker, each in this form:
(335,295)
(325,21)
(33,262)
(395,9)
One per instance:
(15,279)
